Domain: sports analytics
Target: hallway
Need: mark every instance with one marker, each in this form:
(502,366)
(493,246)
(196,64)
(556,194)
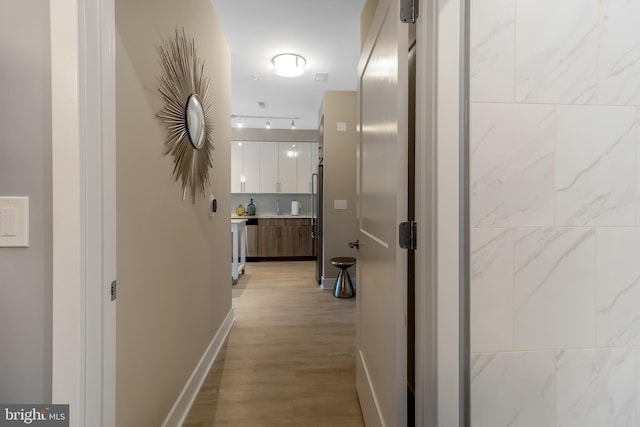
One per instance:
(289,359)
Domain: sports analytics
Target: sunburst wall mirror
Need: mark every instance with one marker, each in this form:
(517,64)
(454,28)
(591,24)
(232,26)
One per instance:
(187,113)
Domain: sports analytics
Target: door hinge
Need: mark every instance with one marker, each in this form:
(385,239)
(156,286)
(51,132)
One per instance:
(408,235)
(409,11)
(113,290)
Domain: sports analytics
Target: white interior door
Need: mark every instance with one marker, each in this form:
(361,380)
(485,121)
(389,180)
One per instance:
(382,205)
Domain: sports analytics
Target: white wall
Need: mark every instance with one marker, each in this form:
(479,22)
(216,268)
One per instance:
(25,170)
(554,213)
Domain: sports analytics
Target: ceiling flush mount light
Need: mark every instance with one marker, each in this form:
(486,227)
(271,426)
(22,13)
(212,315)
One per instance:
(289,64)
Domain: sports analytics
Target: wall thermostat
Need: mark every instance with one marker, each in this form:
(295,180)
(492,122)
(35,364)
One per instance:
(213,205)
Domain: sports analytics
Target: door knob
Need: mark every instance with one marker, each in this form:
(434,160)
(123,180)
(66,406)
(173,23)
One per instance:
(355,244)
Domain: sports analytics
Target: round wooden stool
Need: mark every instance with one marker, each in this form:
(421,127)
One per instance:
(343,287)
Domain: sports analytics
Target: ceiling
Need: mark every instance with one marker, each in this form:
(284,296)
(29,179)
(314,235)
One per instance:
(325,32)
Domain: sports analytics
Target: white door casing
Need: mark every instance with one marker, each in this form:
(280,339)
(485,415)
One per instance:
(381,359)
(83,193)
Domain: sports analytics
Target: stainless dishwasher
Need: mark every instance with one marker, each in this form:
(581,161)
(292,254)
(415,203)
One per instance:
(252,239)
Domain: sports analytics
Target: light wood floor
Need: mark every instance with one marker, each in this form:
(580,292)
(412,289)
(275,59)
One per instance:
(289,359)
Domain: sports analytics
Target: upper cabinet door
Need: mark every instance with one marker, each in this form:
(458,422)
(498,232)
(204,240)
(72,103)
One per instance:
(251,167)
(303,165)
(287,172)
(236,167)
(315,157)
(272,167)
(268,167)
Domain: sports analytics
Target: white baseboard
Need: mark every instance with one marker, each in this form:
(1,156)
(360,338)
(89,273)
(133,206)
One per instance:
(180,409)
(327,284)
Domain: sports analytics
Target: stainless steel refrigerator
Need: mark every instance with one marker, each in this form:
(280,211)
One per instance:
(317,206)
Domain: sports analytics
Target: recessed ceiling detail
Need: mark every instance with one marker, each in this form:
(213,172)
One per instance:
(262,105)
(321,76)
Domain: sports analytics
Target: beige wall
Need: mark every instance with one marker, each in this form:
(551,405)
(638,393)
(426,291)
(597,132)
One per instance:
(339,149)
(174,278)
(25,170)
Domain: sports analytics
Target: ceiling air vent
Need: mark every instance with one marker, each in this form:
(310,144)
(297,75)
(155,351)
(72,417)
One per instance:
(262,104)
(322,76)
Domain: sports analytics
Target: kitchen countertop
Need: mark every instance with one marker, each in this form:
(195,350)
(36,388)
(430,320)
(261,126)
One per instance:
(270,216)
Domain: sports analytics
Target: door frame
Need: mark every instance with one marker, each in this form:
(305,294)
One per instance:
(83,193)
(426,310)
(442,282)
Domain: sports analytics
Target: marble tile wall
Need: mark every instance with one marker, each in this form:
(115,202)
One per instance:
(555,213)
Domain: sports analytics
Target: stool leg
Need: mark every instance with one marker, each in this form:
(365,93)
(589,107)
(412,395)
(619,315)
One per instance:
(343,287)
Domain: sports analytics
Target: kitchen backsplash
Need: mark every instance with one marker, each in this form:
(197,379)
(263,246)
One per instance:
(266,203)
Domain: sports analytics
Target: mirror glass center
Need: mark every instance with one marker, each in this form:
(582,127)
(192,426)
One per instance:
(195,121)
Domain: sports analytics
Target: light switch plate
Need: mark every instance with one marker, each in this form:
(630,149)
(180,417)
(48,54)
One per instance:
(14,222)
(339,204)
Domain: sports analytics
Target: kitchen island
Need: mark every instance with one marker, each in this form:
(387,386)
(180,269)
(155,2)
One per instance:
(283,237)
(238,246)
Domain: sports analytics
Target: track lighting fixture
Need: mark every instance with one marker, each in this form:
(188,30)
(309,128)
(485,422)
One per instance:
(279,122)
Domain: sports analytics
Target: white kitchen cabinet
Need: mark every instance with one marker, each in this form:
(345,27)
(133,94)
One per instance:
(287,172)
(251,167)
(272,167)
(303,168)
(245,167)
(315,157)
(236,167)
(269,167)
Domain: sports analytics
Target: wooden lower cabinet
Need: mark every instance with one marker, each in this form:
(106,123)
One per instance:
(284,237)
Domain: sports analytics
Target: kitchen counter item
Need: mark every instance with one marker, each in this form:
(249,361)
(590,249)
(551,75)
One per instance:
(233,216)
(251,208)
(295,208)
(240,210)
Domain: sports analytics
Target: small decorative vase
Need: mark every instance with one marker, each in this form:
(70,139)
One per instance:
(240,210)
(251,208)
